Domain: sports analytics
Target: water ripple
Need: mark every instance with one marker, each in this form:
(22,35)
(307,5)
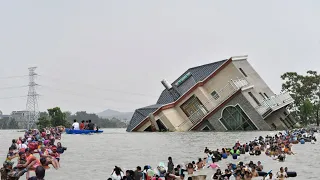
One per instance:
(94,156)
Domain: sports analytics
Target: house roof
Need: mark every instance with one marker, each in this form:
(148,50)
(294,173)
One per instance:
(197,74)
(140,114)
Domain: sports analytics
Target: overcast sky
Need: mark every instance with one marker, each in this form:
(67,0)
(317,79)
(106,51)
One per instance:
(97,55)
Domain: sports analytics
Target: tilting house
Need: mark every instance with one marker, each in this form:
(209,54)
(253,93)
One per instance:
(227,95)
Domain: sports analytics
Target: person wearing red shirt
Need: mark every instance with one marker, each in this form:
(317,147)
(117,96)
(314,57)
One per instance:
(82,125)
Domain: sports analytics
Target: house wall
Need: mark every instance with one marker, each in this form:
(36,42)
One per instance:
(219,82)
(253,78)
(246,106)
(275,118)
(144,126)
(178,119)
(170,118)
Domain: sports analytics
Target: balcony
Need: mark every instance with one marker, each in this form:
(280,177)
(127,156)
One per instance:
(223,94)
(274,103)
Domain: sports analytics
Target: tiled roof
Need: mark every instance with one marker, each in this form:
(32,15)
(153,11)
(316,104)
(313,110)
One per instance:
(198,74)
(140,114)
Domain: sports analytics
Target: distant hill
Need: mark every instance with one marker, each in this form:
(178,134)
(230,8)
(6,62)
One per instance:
(109,113)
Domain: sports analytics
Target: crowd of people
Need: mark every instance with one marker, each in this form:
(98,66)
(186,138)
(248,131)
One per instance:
(277,147)
(25,148)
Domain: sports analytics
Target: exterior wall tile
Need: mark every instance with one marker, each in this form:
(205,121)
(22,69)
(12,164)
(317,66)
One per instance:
(247,108)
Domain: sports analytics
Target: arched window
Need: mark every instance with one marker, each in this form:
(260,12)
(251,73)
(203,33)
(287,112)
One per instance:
(234,119)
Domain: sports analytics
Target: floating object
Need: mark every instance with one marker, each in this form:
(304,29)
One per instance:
(234,156)
(289,174)
(224,155)
(72,131)
(302,141)
(262,173)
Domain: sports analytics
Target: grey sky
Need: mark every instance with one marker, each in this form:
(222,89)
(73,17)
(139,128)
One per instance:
(130,46)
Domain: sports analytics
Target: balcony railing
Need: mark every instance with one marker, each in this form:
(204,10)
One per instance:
(223,94)
(273,103)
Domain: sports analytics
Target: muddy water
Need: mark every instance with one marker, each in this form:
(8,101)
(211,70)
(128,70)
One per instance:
(94,156)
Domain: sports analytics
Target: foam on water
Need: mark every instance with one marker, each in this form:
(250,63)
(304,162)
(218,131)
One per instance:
(94,157)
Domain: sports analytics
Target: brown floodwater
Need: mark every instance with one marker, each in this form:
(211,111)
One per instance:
(94,156)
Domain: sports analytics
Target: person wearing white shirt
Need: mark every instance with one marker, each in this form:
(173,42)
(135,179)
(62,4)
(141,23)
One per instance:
(23,146)
(75,125)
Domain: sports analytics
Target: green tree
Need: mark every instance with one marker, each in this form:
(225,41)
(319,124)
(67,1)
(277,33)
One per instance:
(43,122)
(306,112)
(305,91)
(12,124)
(314,77)
(58,118)
(8,123)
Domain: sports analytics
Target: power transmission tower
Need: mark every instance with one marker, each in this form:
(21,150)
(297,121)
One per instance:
(32,101)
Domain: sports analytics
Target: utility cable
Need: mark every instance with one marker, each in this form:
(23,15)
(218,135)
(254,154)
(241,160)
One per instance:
(10,77)
(97,88)
(13,87)
(12,97)
(86,96)
(76,102)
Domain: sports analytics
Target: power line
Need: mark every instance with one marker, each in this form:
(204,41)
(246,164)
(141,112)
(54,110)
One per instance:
(13,87)
(85,96)
(12,97)
(97,88)
(76,101)
(10,77)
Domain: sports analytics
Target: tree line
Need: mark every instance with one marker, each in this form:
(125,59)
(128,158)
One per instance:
(56,117)
(7,123)
(305,90)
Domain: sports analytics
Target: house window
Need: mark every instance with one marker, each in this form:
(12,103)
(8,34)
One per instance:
(194,109)
(234,119)
(254,98)
(241,70)
(262,95)
(215,95)
(266,95)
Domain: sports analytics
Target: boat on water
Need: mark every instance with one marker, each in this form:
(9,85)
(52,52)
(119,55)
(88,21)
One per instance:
(72,131)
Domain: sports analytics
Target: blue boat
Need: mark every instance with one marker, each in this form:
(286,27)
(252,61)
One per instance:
(71,131)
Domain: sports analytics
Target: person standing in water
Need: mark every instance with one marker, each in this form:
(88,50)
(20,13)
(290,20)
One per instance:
(40,173)
(170,165)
